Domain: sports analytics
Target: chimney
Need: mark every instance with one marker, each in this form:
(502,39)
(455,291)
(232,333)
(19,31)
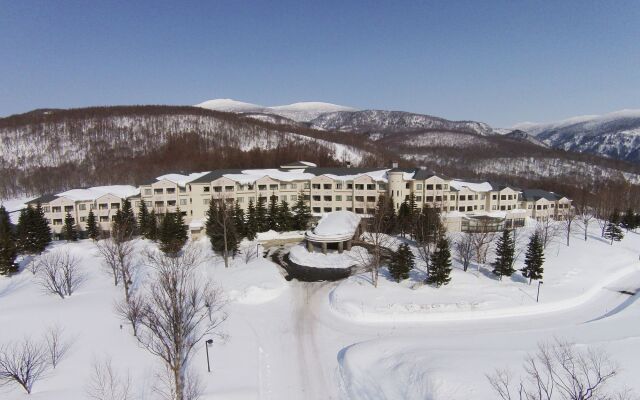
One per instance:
(394,164)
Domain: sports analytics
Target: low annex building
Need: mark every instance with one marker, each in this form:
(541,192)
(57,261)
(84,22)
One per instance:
(464,203)
(337,228)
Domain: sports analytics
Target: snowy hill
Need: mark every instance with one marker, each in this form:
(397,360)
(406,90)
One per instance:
(615,135)
(381,122)
(300,112)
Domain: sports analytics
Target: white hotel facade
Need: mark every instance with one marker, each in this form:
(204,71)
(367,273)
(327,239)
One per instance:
(463,203)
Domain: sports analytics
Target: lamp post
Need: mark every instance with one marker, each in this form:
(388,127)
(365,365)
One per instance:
(208,343)
(538,295)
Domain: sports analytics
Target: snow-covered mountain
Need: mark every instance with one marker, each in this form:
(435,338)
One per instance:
(381,123)
(615,135)
(300,112)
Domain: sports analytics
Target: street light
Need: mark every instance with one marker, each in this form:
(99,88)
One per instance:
(538,295)
(206,346)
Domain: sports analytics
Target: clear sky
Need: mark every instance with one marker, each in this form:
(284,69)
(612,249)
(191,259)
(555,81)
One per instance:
(499,62)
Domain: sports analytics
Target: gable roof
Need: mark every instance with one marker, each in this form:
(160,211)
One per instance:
(537,194)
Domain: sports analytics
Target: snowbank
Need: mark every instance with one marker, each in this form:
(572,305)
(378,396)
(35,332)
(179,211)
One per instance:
(257,282)
(300,255)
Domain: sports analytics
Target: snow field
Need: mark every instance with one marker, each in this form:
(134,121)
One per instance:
(572,275)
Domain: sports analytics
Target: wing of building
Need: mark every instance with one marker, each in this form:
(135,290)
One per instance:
(465,204)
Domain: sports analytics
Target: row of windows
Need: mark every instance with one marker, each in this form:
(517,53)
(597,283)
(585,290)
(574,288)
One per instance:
(357,210)
(81,207)
(148,192)
(437,186)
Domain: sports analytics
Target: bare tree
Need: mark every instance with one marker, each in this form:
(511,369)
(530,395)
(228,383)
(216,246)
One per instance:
(558,371)
(567,223)
(131,311)
(464,248)
(107,384)
(548,230)
(379,243)
(166,390)
(57,346)
(59,273)
(249,252)
(23,363)
(221,225)
(179,311)
(585,217)
(481,238)
(118,256)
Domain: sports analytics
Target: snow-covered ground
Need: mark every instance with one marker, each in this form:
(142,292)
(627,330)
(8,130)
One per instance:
(287,340)
(572,275)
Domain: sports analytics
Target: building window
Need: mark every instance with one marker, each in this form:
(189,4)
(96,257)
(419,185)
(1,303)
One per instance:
(360,198)
(115,206)
(158,191)
(159,204)
(183,202)
(359,211)
(228,188)
(82,207)
(429,187)
(327,209)
(294,186)
(240,199)
(57,222)
(68,208)
(205,201)
(452,208)
(338,186)
(349,198)
(45,209)
(103,206)
(171,190)
(316,209)
(359,186)
(418,198)
(148,203)
(182,190)
(339,198)
(316,198)
(206,189)
(371,199)
(382,186)
(338,208)
(438,187)
(294,197)
(328,198)
(372,186)
(502,208)
(494,197)
(461,209)
(262,187)
(327,186)
(147,192)
(273,187)
(104,218)
(446,186)
(306,185)
(349,185)
(217,189)
(83,219)
(283,186)
(419,186)
(316,186)
(462,197)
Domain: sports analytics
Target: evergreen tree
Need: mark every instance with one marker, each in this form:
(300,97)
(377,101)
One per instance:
(402,262)
(33,232)
(505,253)
(221,229)
(613,232)
(173,233)
(629,220)
(261,215)
(143,219)
(440,266)
(124,223)
(69,232)
(285,218)
(272,214)
(42,228)
(152,226)
(239,220)
(302,214)
(8,248)
(93,231)
(404,218)
(388,214)
(533,259)
(251,226)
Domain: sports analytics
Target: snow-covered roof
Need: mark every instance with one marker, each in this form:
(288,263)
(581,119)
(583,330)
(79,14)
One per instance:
(196,224)
(92,193)
(475,186)
(337,225)
(182,180)
(379,175)
(252,175)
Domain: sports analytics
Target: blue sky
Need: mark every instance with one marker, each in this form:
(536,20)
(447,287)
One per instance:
(499,62)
